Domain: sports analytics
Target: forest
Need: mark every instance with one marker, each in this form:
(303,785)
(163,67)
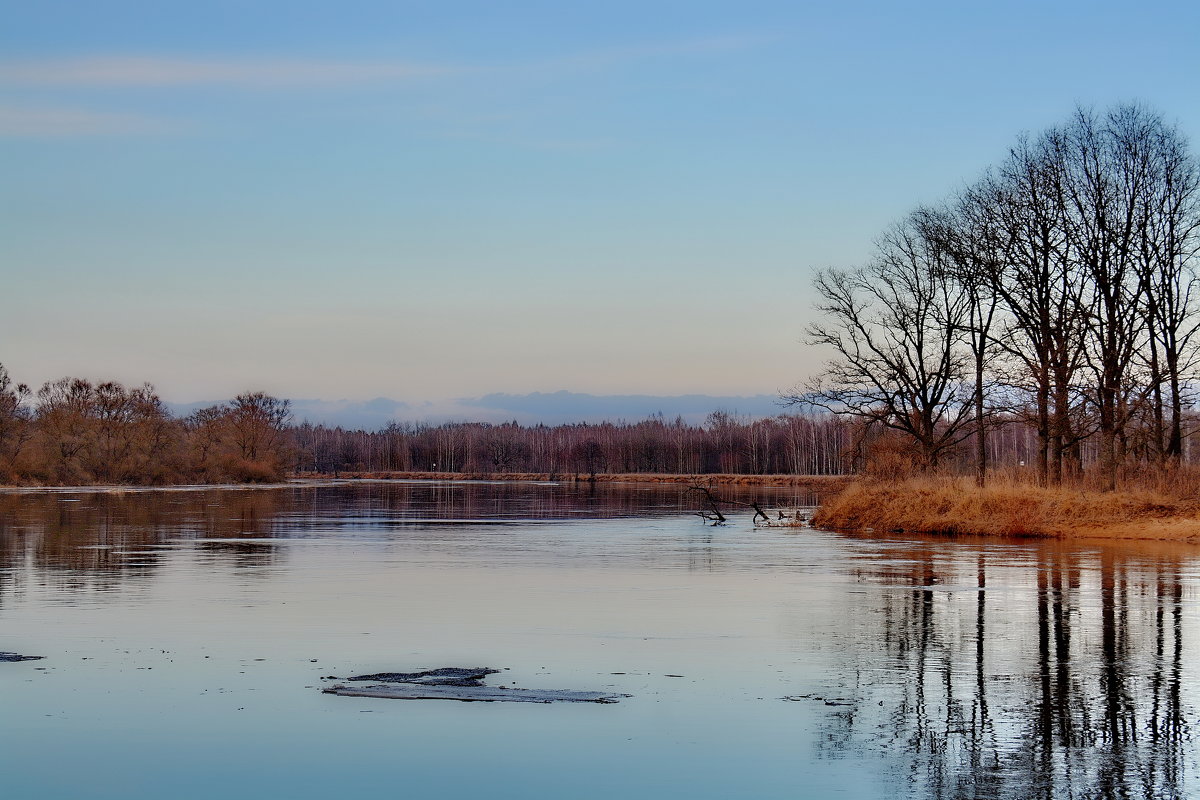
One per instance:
(812,443)
(74,431)
(77,432)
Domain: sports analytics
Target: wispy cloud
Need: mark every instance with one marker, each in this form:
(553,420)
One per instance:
(133,71)
(265,73)
(21,121)
(45,76)
(625,54)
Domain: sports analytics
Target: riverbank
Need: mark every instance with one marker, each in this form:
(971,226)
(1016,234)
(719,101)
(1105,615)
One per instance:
(822,484)
(957,507)
(819,483)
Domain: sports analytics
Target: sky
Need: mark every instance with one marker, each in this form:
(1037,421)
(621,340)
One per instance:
(449,199)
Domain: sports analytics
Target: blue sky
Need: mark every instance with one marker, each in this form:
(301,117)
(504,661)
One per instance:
(428,200)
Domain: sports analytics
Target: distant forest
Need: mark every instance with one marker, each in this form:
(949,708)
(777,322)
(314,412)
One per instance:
(77,432)
(790,444)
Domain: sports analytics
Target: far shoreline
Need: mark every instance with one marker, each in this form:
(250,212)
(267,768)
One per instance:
(823,483)
(815,483)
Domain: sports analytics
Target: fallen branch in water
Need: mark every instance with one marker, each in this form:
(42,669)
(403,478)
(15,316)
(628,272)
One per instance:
(714,501)
(713,513)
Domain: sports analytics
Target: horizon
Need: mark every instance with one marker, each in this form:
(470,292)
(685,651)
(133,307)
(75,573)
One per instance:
(548,408)
(369,202)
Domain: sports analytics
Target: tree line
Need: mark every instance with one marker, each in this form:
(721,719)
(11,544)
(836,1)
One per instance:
(74,431)
(725,443)
(814,442)
(1058,291)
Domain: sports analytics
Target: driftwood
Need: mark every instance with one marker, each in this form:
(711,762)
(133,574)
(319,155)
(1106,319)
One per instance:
(459,683)
(472,694)
(714,512)
(443,676)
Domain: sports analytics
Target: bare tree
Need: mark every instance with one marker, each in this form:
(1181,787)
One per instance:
(256,422)
(63,418)
(1068,274)
(15,427)
(974,251)
(1108,167)
(1021,208)
(896,329)
(1167,245)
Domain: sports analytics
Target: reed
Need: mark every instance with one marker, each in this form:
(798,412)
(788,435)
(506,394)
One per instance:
(1162,504)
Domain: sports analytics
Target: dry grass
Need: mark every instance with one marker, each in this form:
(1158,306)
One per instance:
(1161,507)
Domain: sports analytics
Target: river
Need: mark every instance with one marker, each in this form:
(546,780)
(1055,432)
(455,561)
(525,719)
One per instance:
(186,635)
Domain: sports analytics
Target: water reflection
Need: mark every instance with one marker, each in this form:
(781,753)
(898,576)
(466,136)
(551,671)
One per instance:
(101,538)
(1031,671)
(104,537)
(953,668)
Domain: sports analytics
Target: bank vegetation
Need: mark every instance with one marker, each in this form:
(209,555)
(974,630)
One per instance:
(74,432)
(1057,292)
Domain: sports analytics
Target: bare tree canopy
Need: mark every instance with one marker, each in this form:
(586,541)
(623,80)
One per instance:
(896,328)
(1066,277)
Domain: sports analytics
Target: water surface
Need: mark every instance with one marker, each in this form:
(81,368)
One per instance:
(187,634)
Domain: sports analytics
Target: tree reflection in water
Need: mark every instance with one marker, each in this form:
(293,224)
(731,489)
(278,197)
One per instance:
(95,540)
(1032,671)
(971,668)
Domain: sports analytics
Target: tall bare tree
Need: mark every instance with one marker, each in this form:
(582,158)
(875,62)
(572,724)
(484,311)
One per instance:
(896,329)
(1108,166)
(1168,242)
(1022,210)
(974,251)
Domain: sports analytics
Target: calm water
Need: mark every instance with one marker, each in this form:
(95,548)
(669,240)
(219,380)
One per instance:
(187,633)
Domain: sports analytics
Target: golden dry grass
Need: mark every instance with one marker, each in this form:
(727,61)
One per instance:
(1161,508)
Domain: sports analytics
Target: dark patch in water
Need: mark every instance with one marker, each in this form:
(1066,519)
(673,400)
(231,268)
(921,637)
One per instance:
(443,676)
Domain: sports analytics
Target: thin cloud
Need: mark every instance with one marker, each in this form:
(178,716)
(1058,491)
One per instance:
(260,74)
(640,52)
(18,121)
(150,72)
(147,72)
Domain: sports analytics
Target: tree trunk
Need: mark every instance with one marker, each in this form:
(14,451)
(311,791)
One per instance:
(1043,428)
(980,430)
